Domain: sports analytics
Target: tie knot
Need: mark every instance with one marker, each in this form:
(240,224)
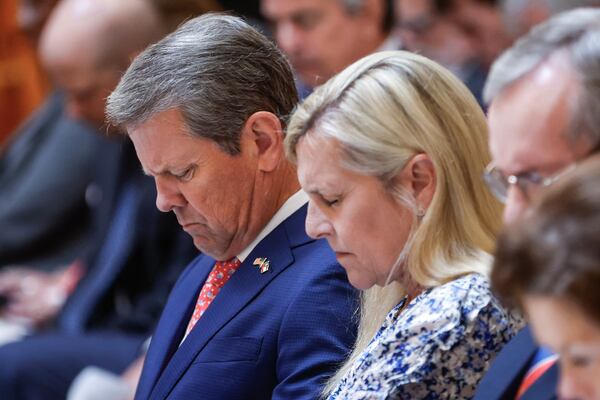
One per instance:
(217,278)
(231,263)
(222,271)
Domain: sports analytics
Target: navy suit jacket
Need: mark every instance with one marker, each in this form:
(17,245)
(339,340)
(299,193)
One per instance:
(508,369)
(275,335)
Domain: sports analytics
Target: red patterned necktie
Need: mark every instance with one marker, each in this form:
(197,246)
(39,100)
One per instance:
(220,274)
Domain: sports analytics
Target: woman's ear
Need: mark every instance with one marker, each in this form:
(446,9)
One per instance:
(263,133)
(418,176)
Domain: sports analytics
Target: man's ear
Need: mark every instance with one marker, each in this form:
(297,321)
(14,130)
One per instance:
(263,133)
(418,176)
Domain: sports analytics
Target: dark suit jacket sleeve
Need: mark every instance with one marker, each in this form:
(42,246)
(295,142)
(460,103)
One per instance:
(159,252)
(42,202)
(315,335)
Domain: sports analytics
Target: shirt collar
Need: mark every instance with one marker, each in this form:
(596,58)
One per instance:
(291,205)
(392,42)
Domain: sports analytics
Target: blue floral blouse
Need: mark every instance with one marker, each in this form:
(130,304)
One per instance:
(438,347)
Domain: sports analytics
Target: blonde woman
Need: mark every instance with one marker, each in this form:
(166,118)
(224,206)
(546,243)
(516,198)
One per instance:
(390,152)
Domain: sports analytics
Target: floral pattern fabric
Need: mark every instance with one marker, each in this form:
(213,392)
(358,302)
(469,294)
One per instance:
(438,347)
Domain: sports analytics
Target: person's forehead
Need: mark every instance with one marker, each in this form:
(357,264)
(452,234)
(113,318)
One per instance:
(317,159)
(164,140)
(528,121)
(281,9)
(559,321)
(72,70)
(409,10)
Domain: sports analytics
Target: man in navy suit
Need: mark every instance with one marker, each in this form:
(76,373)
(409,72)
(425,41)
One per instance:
(136,253)
(544,117)
(266,312)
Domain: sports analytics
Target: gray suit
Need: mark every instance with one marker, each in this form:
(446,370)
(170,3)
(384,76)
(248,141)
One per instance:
(44,175)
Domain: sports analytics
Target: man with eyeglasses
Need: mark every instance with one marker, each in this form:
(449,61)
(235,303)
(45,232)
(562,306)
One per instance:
(544,117)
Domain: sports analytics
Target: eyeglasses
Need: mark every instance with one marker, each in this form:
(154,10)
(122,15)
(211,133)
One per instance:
(529,183)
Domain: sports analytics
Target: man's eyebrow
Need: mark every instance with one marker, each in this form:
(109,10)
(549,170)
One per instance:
(171,170)
(163,171)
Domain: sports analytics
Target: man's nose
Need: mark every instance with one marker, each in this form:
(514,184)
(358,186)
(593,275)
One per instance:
(168,196)
(288,38)
(515,205)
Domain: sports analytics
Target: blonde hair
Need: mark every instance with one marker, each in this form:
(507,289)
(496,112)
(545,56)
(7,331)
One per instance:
(383,110)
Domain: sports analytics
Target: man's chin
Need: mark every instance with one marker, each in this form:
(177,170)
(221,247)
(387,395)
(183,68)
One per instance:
(201,244)
(207,247)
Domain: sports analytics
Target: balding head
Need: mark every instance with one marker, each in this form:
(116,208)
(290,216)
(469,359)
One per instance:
(87,44)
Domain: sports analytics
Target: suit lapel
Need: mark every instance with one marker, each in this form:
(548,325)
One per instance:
(176,314)
(503,379)
(544,388)
(239,291)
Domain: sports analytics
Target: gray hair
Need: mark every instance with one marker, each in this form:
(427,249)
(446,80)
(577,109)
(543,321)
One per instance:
(577,34)
(217,70)
(513,9)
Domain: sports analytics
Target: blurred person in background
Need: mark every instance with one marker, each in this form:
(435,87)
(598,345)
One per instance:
(174,12)
(544,96)
(425,28)
(322,37)
(99,309)
(521,15)
(549,265)
(481,21)
(39,162)
(32,16)
(46,196)
(390,152)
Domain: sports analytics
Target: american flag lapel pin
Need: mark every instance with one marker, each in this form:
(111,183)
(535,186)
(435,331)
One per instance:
(262,263)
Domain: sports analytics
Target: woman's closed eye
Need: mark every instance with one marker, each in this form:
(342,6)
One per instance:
(579,361)
(330,201)
(582,358)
